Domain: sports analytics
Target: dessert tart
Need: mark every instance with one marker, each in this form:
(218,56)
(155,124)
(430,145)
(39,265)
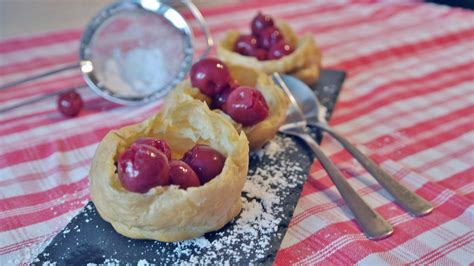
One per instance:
(272,47)
(139,184)
(264,102)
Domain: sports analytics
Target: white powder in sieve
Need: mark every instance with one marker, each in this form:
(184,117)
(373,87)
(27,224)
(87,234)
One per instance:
(138,72)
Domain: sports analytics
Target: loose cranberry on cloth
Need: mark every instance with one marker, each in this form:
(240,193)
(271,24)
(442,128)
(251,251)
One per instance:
(69,103)
(407,102)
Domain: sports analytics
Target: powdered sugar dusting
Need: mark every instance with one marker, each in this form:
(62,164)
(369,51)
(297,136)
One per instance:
(258,223)
(143,263)
(272,148)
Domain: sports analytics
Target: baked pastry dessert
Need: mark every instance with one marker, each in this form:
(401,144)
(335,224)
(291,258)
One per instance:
(246,97)
(272,47)
(140,186)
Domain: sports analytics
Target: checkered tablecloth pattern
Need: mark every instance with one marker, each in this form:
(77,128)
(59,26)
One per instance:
(408,102)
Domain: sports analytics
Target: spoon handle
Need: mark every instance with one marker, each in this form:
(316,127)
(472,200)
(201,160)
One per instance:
(409,200)
(373,225)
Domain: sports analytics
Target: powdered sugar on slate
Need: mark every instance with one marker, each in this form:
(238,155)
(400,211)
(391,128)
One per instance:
(272,188)
(257,224)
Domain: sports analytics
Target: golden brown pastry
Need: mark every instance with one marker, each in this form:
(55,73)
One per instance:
(275,98)
(304,62)
(167,213)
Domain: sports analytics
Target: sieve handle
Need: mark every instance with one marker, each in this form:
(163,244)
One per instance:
(38,76)
(202,24)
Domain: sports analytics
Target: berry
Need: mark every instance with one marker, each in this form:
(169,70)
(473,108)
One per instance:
(221,98)
(246,106)
(279,50)
(269,37)
(260,22)
(69,103)
(260,54)
(210,76)
(205,161)
(245,44)
(158,144)
(142,167)
(183,175)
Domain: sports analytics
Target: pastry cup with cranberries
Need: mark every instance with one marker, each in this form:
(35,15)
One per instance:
(303,62)
(276,100)
(170,213)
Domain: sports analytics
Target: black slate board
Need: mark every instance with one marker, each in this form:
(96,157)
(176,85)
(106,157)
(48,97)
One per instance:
(89,239)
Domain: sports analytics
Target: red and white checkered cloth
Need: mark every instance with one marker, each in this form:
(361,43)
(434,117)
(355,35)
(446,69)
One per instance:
(408,101)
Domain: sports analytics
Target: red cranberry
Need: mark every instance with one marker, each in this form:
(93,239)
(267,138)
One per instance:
(210,75)
(158,144)
(69,103)
(142,167)
(219,99)
(260,54)
(279,50)
(246,106)
(205,161)
(260,22)
(245,44)
(183,175)
(268,37)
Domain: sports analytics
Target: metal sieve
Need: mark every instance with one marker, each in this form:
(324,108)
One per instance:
(133,52)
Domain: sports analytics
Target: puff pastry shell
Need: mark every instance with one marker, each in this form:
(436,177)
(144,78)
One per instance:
(168,213)
(304,62)
(276,99)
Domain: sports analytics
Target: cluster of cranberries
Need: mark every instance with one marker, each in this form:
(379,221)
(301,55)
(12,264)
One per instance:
(265,43)
(147,163)
(245,105)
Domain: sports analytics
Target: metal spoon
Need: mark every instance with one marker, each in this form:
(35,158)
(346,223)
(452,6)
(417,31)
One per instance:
(312,109)
(372,224)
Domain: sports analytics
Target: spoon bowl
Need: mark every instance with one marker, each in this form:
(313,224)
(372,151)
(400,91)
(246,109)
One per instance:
(304,96)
